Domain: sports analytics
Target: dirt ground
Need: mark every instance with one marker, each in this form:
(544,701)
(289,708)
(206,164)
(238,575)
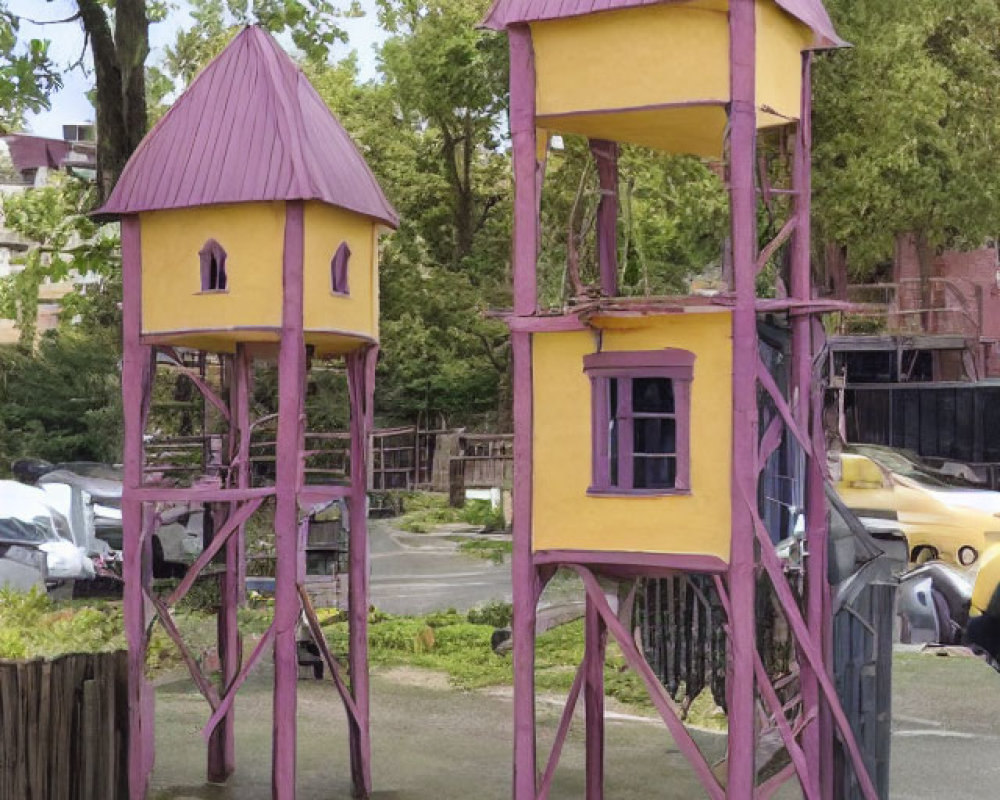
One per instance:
(434,743)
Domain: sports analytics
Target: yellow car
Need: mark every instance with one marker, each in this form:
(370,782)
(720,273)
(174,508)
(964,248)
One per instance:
(941,517)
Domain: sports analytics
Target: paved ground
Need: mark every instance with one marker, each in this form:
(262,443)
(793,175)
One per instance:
(413,573)
(433,743)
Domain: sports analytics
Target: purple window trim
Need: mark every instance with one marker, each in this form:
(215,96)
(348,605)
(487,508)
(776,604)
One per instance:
(339,270)
(213,251)
(601,368)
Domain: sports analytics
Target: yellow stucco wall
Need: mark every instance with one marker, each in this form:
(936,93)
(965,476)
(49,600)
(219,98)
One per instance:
(642,59)
(564,517)
(252,235)
(326,228)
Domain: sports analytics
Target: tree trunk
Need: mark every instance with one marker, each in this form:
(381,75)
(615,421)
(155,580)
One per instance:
(120,77)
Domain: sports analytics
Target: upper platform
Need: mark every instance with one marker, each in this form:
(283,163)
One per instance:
(658,73)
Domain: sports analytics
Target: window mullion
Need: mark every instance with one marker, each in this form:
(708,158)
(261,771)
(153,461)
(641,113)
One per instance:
(626,434)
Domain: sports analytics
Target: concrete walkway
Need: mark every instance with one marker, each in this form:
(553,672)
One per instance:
(433,743)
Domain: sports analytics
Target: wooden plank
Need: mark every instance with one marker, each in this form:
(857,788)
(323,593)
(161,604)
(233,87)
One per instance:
(44,727)
(90,750)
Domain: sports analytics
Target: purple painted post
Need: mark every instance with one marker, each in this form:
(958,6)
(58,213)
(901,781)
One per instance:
(606,158)
(135,364)
(524,577)
(222,743)
(291,368)
(360,370)
(743,133)
(525,255)
(802,356)
(243,378)
(595,638)
(524,138)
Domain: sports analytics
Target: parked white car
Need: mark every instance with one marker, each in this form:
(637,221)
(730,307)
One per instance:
(25,508)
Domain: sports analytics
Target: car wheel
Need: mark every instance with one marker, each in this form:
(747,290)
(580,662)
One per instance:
(967,556)
(923,554)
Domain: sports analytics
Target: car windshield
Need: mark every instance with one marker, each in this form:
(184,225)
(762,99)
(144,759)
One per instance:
(900,463)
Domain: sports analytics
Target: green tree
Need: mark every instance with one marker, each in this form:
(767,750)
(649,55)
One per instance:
(62,403)
(117,35)
(27,74)
(64,243)
(907,125)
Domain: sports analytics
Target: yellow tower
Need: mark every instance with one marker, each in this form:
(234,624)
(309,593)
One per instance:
(250,227)
(210,186)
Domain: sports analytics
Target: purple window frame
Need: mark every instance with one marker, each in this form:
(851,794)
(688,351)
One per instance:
(339,267)
(212,249)
(601,368)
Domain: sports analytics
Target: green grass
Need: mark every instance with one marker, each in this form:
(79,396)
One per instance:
(426,511)
(493,550)
(459,645)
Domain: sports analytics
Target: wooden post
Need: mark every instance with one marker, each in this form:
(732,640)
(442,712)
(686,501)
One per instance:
(593,696)
(137,546)
(291,372)
(606,158)
(456,482)
(360,374)
(525,255)
(742,576)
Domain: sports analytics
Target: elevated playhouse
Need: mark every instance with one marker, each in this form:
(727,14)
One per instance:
(250,228)
(638,444)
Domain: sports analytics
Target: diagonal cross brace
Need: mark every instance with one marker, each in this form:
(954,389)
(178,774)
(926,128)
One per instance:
(198,381)
(324,648)
(242,514)
(635,660)
(767,381)
(564,722)
(770,562)
(776,708)
(166,620)
(230,696)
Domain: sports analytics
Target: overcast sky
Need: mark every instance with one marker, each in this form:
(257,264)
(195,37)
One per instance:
(70,105)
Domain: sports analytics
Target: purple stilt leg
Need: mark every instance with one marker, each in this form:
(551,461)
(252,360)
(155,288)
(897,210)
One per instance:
(291,369)
(525,254)
(360,371)
(135,366)
(595,639)
(743,132)
(606,157)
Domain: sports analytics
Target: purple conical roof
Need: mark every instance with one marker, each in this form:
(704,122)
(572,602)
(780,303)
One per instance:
(511,12)
(250,128)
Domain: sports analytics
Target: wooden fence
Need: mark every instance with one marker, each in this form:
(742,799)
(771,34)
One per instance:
(64,728)
(400,458)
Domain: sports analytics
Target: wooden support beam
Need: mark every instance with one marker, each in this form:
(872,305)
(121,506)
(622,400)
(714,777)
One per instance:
(545,785)
(200,494)
(665,707)
(324,649)
(777,711)
(136,367)
(811,650)
(206,391)
(291,392)
(204,685)
(230,691)
(220,540)
(360,369)
(595,639)
(767,383)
